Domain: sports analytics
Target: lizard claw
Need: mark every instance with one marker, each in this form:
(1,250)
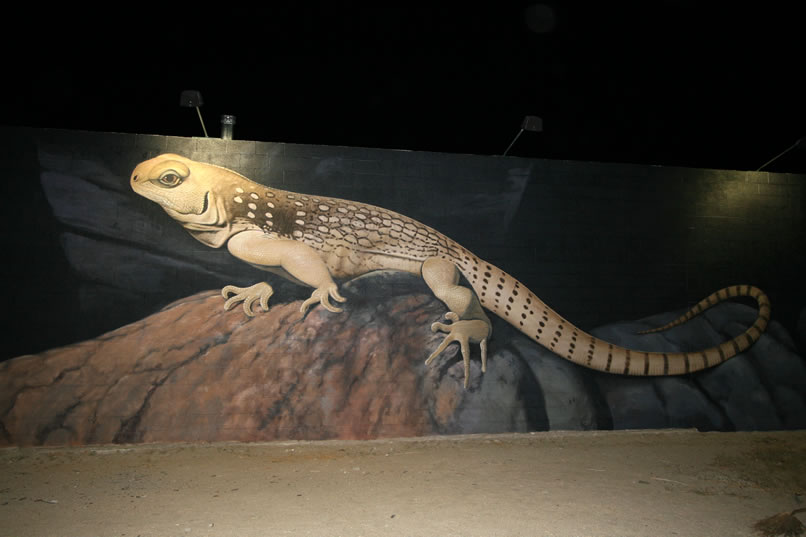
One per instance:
(464,332)
(322,295)
(248,295)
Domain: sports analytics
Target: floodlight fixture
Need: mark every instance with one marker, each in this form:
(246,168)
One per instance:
(193,99)
(531,124)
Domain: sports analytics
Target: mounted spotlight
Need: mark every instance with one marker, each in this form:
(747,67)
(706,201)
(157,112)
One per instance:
(531,124)
(193,99)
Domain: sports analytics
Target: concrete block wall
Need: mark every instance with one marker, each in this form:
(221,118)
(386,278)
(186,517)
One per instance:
(597,242)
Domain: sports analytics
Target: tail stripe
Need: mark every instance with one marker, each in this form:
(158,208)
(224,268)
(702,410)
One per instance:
(704,362)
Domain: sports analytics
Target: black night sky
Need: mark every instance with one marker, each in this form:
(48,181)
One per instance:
(661,82)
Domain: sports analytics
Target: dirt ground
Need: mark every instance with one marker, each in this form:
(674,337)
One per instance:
(545,484)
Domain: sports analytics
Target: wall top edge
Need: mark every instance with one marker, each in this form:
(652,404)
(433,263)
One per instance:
(228,145)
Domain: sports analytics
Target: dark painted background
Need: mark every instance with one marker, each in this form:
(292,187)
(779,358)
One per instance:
(598,242)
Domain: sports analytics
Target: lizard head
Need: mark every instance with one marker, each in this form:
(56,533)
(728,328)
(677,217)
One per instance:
(189,192)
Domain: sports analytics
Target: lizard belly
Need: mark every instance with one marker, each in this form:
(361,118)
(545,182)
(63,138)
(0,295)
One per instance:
(345,262)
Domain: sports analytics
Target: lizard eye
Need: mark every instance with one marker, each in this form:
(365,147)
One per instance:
(170,179)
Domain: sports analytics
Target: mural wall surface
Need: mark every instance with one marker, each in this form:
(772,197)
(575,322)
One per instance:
(176,289)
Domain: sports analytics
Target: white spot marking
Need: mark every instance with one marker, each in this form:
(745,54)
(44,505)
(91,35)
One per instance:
(271,205)
(252,206)
(238,199)
(250,214)
(254,196)
(269,215)
(299,222)
(324,208)
(297,233)
(298,203)
(300,213)
(239,190)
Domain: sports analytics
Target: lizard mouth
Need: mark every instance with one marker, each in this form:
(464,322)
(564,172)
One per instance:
(205,215)
(190,212)
(206,204)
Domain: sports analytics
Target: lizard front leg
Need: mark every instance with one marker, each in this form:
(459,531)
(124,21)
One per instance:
(261,292)
(469,324)
(296,259)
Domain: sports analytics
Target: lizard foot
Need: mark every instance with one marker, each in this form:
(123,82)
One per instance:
(248,295)
(464,332)
(322,295)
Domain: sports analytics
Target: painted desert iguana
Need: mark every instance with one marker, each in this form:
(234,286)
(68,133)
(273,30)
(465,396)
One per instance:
(311,240)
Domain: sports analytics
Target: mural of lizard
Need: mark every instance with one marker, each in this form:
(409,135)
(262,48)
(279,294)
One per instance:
(313,239)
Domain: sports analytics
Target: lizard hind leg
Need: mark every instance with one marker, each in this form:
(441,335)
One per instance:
(469,324)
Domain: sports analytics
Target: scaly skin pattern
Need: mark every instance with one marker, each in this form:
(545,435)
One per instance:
(313,239)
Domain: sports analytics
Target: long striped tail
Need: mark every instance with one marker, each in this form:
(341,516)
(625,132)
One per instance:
(611,358)
(513,302)
(689,362)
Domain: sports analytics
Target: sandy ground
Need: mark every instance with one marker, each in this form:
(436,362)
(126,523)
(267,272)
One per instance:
(554,484)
